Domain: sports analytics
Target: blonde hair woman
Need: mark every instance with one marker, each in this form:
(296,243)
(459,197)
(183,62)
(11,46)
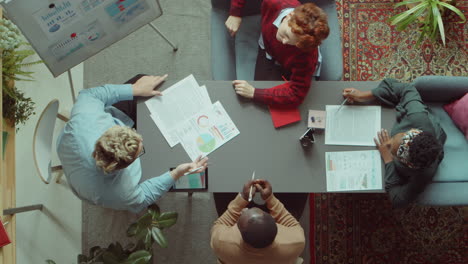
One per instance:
(100,153)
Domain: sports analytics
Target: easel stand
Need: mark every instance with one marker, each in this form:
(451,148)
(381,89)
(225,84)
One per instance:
(70,80)
(174,47)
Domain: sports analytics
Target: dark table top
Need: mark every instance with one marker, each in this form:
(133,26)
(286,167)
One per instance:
(275,154)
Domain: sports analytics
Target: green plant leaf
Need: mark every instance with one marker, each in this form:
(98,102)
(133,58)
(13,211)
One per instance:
(397,18)
(166,219)
(419,9)
(455,10)
(404,23)
(407,2)
(132,230)
(138,257)
(49,261)
(441,28)
(109,258)
(141,234)
(116,250)
(433,20)
(154,210)
(437,23)
(159,237)
(144,221)
(148,241)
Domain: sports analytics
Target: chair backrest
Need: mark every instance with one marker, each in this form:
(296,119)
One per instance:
(42,143)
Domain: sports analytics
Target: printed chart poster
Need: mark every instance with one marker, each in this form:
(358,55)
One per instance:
(353,170)
(123,11)
(76,41)
(66,47)
(206,131)
(89,5)
(92,32)
(54,19)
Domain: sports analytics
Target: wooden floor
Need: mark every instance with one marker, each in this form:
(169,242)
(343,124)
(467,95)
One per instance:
(7,187)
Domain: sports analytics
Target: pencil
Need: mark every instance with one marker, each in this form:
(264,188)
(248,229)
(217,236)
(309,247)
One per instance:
(250,191)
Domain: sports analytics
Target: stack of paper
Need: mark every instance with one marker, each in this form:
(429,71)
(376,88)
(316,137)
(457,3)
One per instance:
(185,114)
(353,170)
(352,125)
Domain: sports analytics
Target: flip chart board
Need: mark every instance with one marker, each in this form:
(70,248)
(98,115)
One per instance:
(66,32)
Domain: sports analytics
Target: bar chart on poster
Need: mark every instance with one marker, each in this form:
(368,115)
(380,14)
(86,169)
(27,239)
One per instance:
(66,32)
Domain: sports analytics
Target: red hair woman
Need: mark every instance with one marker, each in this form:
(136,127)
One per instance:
(291,34)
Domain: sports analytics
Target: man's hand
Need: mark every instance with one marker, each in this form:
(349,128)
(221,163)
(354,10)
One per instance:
(383,143)
(186,167)
(244,89)
(233,24)
(355,95)
(146,84)
(264,187)
(246,190)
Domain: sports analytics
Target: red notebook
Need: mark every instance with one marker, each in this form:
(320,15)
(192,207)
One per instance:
(284,116)
(4,239)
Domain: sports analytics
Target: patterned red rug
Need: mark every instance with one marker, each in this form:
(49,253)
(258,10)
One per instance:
(350,228)
(373,50)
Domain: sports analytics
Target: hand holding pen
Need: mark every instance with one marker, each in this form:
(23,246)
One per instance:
(348,94)
(353,95)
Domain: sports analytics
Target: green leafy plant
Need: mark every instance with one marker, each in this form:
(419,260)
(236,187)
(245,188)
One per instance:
(428,14)
(147,230)
(16,106)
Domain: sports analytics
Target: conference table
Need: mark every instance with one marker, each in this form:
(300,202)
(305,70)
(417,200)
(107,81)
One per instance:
(274,154)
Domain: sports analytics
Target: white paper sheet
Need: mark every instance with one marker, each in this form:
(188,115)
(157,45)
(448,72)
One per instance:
(353,170)
(178,103)
(352,125)
(205,95)
(206,131)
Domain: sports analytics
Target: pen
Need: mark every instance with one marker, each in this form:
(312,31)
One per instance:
(192,171)
(250,192)
(344,101)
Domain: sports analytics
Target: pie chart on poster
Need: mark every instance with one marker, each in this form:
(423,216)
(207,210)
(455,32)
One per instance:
(206,143)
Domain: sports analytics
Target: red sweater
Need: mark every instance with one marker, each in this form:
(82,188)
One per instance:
(301,64)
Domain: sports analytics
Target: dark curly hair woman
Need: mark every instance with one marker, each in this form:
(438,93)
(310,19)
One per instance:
(413,150)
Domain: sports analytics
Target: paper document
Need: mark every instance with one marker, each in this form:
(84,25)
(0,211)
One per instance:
(352,125)
(178,103)
(353,170)
(206,131)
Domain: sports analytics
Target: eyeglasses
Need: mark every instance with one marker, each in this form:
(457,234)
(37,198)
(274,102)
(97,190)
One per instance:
(142,152)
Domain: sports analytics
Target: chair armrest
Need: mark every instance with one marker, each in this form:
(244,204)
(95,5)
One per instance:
(441,88)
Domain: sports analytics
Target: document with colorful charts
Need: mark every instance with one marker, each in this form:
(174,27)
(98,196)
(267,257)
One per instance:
(353,170)
(178,103)
(206,131)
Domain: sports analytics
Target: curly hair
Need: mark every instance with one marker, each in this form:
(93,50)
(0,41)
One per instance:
(424,150)
(309,22)
(116,148)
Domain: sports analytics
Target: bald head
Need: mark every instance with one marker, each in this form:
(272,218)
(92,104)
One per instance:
(258,229)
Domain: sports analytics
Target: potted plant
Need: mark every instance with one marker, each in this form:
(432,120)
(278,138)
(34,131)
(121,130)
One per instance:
(17,108)
(428,14)
(147,230)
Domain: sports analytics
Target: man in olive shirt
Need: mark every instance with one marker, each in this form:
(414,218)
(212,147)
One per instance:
(243,235)
(414,149)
